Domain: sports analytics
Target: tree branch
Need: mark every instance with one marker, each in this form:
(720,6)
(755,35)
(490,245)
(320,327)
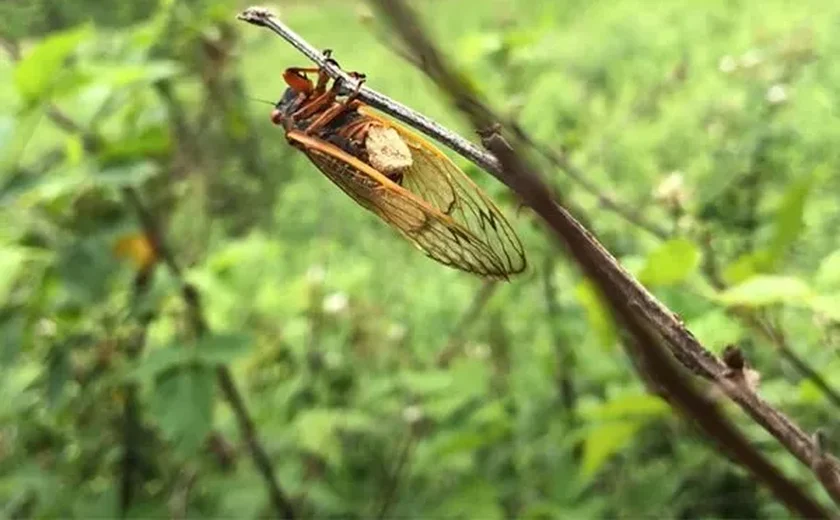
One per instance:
(772,333)
(634,306)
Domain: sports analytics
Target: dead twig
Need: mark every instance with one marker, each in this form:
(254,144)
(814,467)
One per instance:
(649,322)
(772,333)
(630,303)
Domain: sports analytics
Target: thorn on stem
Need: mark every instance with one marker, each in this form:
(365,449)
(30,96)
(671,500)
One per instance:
(733,358)
(738,369)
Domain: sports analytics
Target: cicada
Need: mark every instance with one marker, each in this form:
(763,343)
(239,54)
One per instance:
(397,175)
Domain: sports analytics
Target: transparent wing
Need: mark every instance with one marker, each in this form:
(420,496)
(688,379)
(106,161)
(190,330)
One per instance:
(436,179)
(437,234)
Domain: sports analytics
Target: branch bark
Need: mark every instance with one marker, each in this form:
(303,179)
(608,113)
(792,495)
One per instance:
(645,318)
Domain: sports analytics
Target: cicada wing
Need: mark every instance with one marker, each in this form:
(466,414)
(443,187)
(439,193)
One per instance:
(434,178)
(437,234)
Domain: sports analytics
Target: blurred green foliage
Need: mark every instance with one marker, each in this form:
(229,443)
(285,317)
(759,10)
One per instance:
(717,120)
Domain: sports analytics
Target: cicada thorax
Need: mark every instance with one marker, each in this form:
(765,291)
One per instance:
(368,140)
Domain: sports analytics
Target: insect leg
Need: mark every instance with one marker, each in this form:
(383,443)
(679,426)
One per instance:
(314,105)
(360,80)
(357,130)
(328,115)
(320,102)
(302,70)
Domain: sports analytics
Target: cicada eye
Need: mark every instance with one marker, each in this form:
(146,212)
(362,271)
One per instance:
(277,117)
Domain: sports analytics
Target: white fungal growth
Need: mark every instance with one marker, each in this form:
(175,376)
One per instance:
(387,152)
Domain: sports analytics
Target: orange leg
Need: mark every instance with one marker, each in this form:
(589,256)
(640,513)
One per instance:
(357,131)
(360,80)
(315,105)
(330,114)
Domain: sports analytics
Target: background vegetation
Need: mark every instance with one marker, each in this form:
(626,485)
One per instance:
(380,383)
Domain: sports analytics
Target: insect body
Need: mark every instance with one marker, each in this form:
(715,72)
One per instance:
(398,176)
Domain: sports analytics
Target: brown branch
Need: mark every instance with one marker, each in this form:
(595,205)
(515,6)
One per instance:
(646,343)
(631,301)
(562,162)
(263,18)
(582,244)
(554,157)
(633,305)
(281,503)
(772,333)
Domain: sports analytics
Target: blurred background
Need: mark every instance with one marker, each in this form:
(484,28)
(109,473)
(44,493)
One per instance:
(379,383)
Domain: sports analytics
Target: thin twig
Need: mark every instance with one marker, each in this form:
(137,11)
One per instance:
(587,250)
(390,494)
(281,503)
(456,338)
(561,161)
(772,333)
(778,339)
(481,158)
(565,355)
(635,307)
(609,275)
(646,344)
(131,425)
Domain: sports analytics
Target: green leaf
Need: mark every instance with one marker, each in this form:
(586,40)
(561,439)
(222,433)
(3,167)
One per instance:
(604,441)
(716,329)
(828,306)
(671,263)
(828,273)
(152,142)
(597,314)
(745,267)
(36,73)
(428,382)
(15,389)
(639,406)
(160,360)
(183,406)
(11,263)
(474,498)
(222,348)
(209,351)
(126,174)
(123,75)
(31,189)
(317,433)
(86,268)
(12,330)
(58,374)
(15,134)
(789,221)
(767,290)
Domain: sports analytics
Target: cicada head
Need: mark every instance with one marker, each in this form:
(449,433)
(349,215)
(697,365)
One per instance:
(287,104)
(291,99)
